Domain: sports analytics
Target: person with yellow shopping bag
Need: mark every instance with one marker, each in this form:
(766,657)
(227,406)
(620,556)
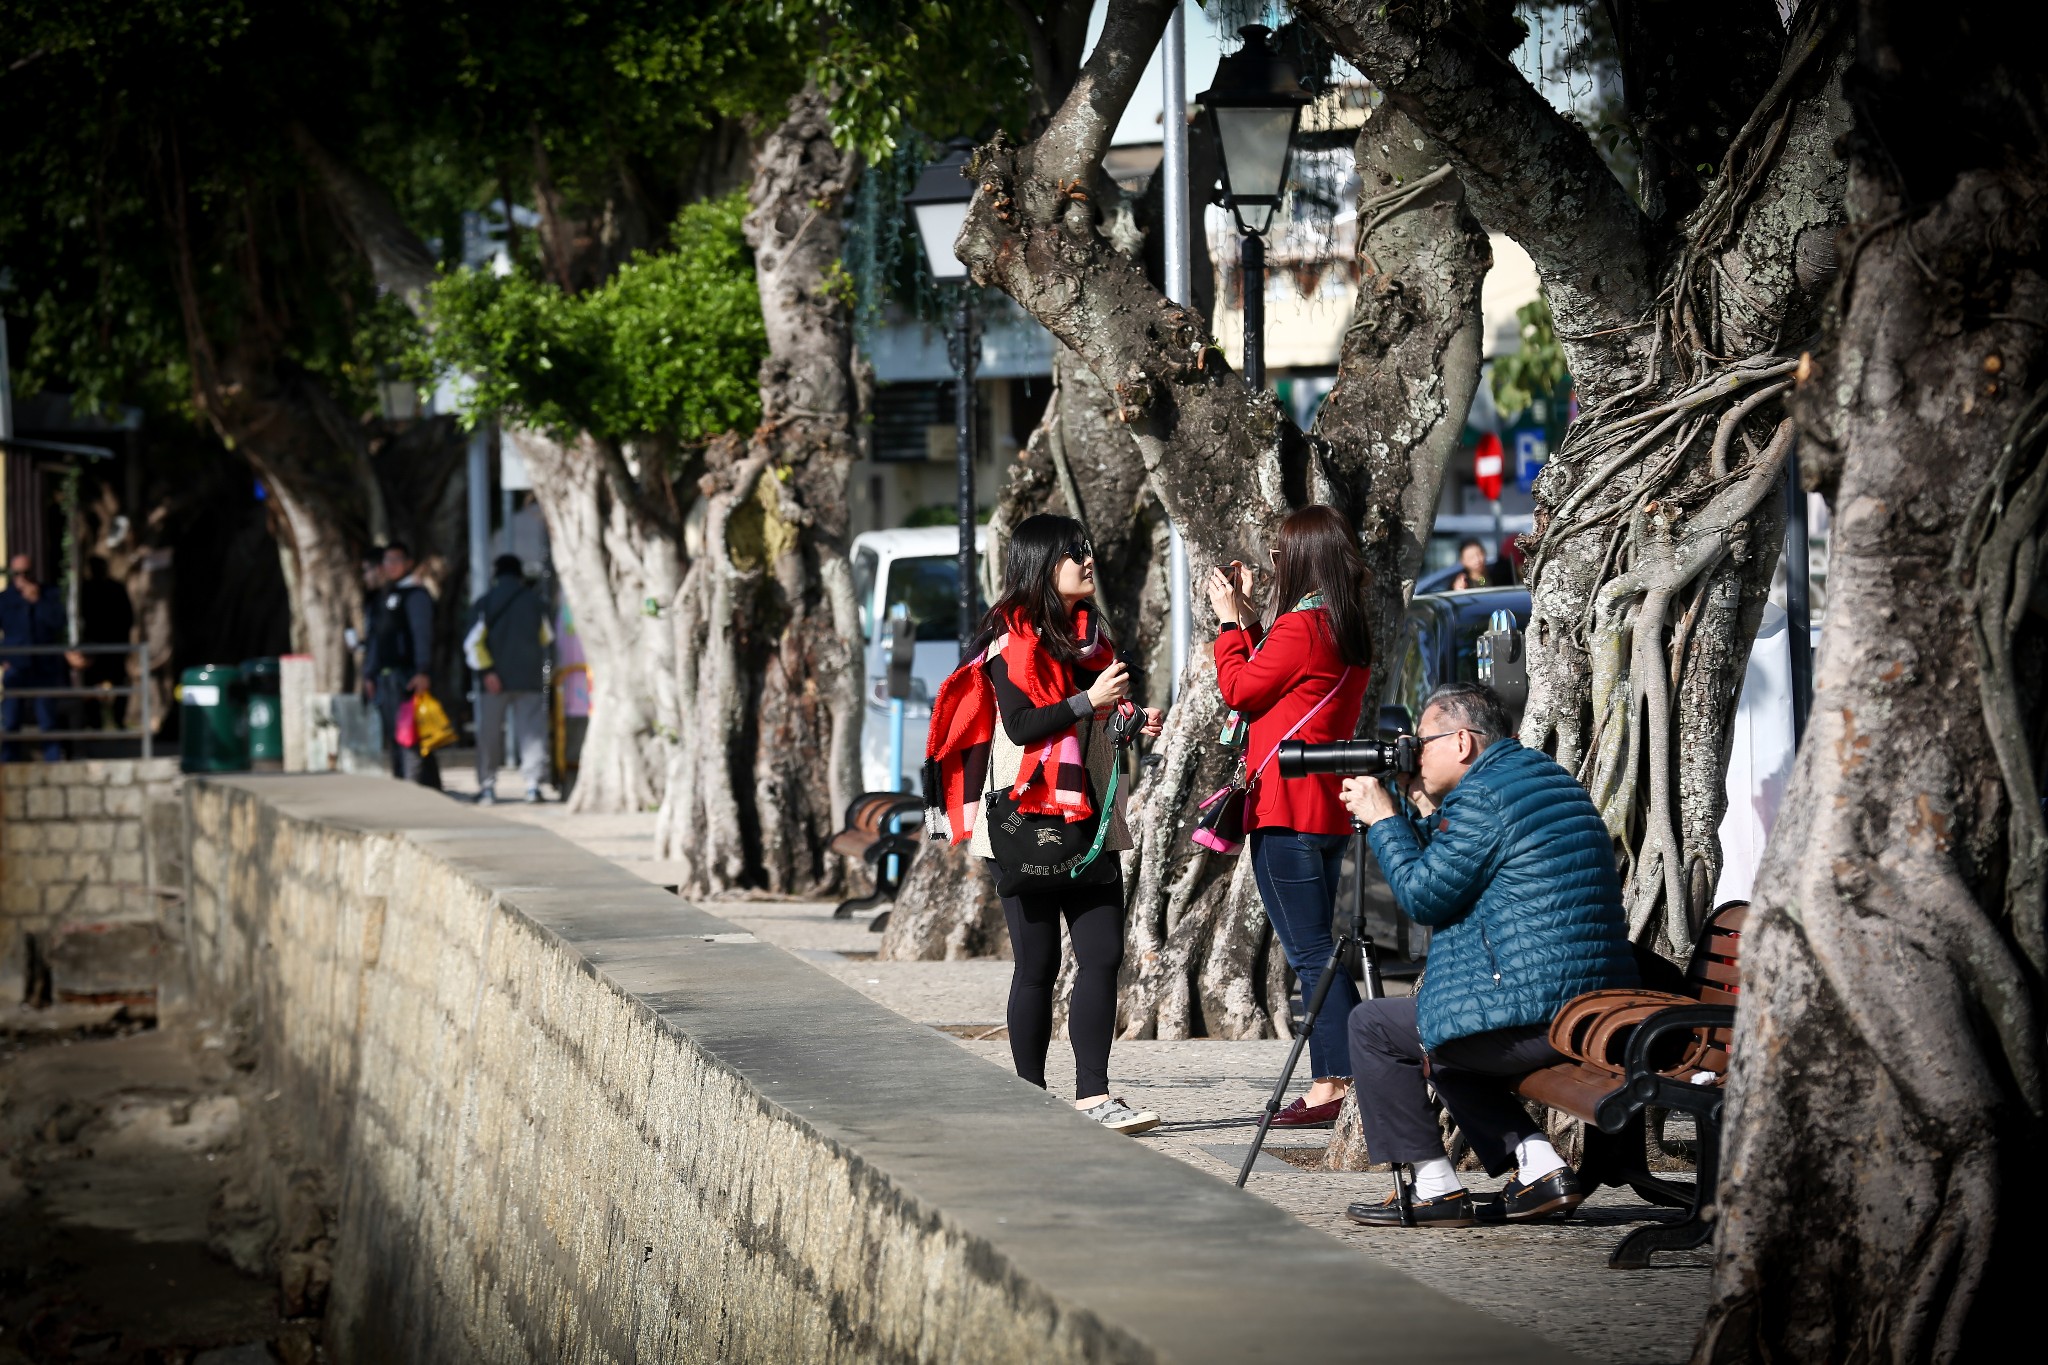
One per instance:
(395,663)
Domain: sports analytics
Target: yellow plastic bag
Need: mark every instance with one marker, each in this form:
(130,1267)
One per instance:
(430,723)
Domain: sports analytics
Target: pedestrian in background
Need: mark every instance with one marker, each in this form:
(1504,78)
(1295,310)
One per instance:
(507,646)
(396,659)
(105,617)
(28,616)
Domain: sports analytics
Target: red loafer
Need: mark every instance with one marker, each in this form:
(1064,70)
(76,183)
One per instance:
(1301,1114)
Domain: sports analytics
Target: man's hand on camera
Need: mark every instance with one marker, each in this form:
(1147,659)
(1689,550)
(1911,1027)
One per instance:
(1366,799)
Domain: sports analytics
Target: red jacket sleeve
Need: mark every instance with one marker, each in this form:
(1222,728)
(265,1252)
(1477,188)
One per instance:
(1252,683)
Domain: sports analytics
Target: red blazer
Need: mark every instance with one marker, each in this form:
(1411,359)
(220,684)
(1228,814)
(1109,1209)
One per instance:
(1296,667)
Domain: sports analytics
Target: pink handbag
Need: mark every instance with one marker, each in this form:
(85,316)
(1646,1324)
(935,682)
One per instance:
(1220,825)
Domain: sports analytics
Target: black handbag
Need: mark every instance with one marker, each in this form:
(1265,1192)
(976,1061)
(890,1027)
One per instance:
(1038,853)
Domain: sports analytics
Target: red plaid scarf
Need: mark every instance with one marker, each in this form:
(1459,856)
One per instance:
(1052,779)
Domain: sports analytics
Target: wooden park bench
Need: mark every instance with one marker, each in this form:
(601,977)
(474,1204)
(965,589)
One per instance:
(871,835)
(1631,1051)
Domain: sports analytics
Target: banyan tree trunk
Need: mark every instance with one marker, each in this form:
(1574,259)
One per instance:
(1881,1195)
(770,693)
(619,577)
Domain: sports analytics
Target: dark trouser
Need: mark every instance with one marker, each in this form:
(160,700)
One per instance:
(1297,876)
(406,763)
(1095,921)
(1472,1075)
(45,711)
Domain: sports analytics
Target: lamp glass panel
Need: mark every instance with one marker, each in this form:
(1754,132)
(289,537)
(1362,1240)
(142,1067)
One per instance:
(1255,149)
(1255,217)
(939,225)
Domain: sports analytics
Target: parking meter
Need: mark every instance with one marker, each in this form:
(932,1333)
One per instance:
(902,650)
(1504,663)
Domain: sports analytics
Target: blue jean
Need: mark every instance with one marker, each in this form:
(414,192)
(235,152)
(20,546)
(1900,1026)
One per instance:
(1297,876)
(45,709)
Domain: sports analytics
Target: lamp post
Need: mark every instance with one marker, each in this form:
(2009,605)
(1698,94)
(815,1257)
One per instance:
(939,203)
(1254,107)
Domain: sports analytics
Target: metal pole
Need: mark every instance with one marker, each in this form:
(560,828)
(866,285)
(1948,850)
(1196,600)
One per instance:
(1173,167)
(1798,605)
(479,490)
(1252,261)
(964,356)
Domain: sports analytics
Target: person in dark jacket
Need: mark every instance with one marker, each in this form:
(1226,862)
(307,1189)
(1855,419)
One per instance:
(30,616)
(507,646)
(397,656)
(1512,868)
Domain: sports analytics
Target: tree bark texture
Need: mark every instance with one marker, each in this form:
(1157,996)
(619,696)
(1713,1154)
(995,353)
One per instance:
(1658,520)
(772,685)
(1226,464)
(1885,1105)
(620,575)
(947,910)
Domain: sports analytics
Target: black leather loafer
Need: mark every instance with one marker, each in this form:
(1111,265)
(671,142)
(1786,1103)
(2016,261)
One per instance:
(1455,1210)
(1556,1193)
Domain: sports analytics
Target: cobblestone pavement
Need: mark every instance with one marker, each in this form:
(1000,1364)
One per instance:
(1552,1278)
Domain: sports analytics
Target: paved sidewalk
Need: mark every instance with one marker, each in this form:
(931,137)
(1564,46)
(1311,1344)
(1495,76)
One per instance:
(1552,1278)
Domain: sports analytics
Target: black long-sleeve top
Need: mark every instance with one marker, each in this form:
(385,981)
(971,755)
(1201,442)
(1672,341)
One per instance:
(1028,724)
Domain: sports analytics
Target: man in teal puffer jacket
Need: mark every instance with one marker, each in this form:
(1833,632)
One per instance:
(1512,868)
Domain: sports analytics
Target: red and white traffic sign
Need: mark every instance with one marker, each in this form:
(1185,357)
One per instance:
(1486,466)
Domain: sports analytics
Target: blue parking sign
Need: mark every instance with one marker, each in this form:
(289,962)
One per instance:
(1531,450)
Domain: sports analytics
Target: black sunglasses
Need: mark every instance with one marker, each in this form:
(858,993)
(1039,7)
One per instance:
(1080,551)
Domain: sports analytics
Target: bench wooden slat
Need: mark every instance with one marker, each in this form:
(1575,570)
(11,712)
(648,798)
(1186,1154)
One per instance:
(1725,973)
(1714,995)
(1571,1088)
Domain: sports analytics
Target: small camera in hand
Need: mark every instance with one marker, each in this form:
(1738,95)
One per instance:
(1350,758)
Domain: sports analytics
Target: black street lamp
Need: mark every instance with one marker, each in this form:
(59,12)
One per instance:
(1254,106)
(939,204)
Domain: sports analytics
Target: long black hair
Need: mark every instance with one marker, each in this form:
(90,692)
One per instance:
(1318,553)
(1031,564)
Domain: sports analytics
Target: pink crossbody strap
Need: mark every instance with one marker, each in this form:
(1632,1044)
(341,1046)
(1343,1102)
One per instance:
(1337,687)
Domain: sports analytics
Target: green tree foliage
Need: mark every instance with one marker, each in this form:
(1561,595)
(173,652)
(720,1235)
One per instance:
(669,346)
(1534,370)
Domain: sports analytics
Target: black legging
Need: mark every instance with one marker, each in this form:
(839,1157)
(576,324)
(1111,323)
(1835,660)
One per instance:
(1095,921)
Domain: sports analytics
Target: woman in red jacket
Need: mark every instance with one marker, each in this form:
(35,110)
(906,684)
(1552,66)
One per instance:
(1303,677)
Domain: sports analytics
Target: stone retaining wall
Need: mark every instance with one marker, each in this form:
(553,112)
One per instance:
(569,1117)
(88,848)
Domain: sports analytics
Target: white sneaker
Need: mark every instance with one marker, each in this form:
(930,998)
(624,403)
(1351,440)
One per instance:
(1119,1117)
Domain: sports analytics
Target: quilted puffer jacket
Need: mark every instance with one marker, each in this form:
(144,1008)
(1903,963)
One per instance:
(1515,874)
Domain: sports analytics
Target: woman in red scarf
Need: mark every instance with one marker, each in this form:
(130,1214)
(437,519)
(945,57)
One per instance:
(1304,677)
(1027,715)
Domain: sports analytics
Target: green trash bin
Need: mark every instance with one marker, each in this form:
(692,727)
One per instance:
(213,720)
(266,717)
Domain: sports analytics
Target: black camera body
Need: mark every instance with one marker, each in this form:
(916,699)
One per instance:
(1350,758)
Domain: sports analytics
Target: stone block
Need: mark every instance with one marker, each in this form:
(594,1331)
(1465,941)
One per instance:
(20,898)
(126,868)
(106,961)
(87,867)
(43,868)
(17,775)
(120,772)
(83,801)
(44,803)
(157,770)
(128,836)
(63,837)
(125,801)
(96,836)
(20,836)
(64,774)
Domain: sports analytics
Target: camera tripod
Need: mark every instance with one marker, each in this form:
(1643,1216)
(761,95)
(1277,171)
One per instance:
(1351,929)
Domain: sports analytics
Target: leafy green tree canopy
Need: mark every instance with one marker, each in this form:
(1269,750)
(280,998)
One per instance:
(670,345)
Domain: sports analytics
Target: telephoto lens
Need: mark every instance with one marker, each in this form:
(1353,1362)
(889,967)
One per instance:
(1348,758)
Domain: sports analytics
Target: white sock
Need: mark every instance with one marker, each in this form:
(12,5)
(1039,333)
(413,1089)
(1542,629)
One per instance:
(1535,1157)
(1435,1178)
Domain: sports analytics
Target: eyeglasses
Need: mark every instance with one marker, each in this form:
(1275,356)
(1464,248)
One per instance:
(1421,740)
(1080,552)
